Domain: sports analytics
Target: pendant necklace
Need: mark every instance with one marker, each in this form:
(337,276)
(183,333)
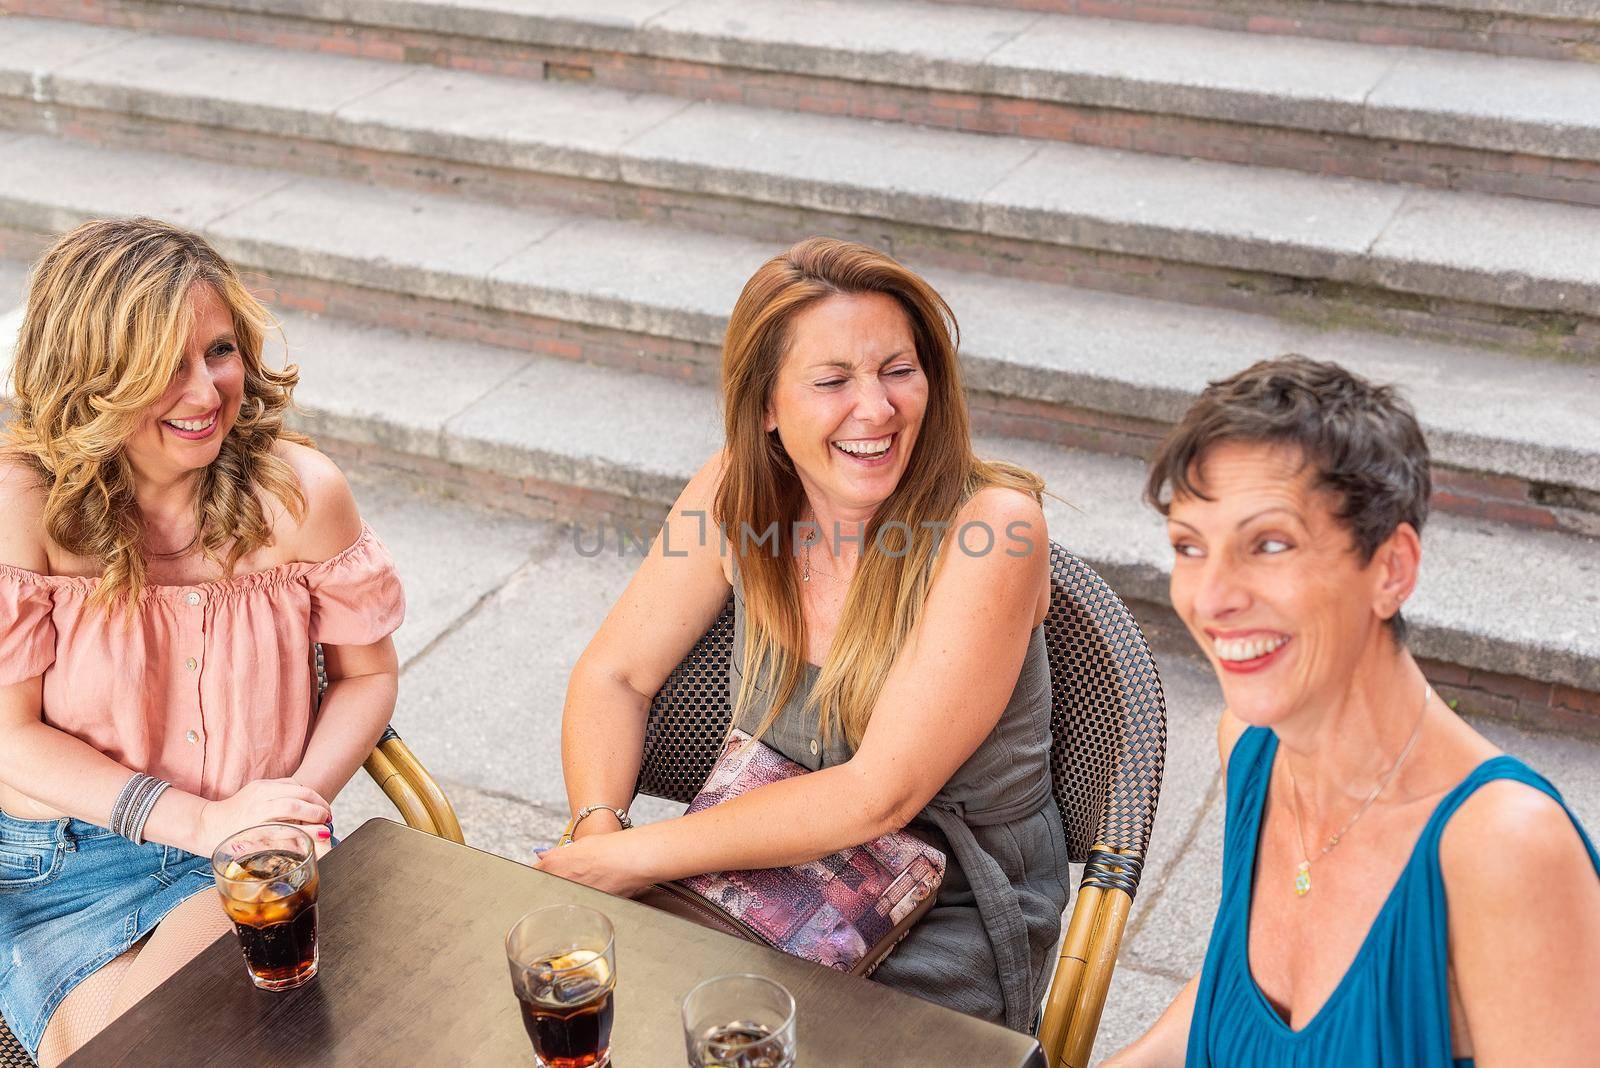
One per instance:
(805,564)
(1302,873)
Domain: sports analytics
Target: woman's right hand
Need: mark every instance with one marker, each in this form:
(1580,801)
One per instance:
(261,801)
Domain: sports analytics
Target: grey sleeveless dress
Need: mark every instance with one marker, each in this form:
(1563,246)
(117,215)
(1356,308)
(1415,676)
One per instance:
(985,946)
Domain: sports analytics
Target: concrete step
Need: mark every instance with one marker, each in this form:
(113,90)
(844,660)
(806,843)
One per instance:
(1546,29)
(610,448)
(1515,438)
(1440,119)
(1513,271)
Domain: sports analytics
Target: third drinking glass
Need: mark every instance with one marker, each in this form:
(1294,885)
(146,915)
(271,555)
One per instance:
(739,1021)
(564,969)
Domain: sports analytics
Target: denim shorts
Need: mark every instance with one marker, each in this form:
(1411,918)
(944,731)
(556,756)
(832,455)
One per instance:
(73,897)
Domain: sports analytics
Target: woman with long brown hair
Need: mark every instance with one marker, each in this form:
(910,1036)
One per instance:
(168,555)
(889,593)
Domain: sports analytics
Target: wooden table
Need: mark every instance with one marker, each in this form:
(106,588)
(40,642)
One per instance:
(413,972)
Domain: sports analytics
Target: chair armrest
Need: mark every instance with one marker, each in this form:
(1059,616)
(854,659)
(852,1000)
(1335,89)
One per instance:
(407,783)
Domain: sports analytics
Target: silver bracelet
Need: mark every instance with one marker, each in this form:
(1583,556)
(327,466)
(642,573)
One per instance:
(119,811)
(134,805)
(147,805)
(588,810)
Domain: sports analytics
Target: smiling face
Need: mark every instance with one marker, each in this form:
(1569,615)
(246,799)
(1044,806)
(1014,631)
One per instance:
(1270,584)
(183,430)
(849,400)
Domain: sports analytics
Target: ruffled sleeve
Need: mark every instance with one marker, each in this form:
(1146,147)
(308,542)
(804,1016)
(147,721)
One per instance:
(27,630)
(356,597)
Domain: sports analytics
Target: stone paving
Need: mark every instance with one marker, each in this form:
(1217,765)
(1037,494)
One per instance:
(499,607)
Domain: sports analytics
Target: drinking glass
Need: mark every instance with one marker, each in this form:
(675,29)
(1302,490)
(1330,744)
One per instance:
(564,971)
(739,1021)
(267,876)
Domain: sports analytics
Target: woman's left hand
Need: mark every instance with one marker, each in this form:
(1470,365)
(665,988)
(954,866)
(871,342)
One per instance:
(600,861)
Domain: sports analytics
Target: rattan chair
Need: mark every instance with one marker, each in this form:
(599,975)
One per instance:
(12,1055)
(1109,727)
(401,776)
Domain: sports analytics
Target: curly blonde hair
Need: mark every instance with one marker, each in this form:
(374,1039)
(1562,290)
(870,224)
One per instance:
(107,321)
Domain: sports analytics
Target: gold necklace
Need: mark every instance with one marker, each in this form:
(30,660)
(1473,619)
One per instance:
(150,550)
(1302,872)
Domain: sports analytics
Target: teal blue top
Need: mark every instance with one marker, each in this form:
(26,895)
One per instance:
(1392,1008)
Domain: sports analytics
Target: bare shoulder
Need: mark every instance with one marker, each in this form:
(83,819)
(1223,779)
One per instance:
(332,522)
(1480,836)
(23,541)
(1503,811)
(997,548)
(1003,530)
(1523,905)
(691,517)
(700,492)
(1003,505)
(1002,525)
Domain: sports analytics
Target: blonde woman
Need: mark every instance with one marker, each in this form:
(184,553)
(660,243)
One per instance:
(907,672)
(168,554)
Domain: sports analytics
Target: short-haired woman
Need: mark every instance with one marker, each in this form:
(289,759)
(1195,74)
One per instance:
(1395,890)
(168,555)
(913,682)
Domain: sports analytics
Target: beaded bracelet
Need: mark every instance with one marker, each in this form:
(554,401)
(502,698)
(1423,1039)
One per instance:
(147,805)
(584,813)
(119,811)
(134,805)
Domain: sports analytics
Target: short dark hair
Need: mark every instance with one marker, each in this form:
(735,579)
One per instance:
(1361,439)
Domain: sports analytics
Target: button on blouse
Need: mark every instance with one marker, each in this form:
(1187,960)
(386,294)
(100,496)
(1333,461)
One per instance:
(211,686)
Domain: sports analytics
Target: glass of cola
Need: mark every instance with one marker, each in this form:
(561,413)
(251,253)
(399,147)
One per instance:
(267,877)
(564,971)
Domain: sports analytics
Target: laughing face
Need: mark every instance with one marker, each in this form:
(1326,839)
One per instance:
(1270,583)
(849,400)
(182,432)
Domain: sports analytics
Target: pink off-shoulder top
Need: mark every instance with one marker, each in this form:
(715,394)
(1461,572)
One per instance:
(210,686)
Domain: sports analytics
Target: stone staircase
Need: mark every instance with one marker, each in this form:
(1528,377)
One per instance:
(503,236)
(1547,29)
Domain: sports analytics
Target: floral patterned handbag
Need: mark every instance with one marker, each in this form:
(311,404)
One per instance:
(846,911)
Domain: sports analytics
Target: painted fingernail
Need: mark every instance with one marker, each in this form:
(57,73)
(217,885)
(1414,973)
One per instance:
(324,833)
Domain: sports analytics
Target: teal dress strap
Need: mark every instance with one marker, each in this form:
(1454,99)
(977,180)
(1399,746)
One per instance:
(1392,1006)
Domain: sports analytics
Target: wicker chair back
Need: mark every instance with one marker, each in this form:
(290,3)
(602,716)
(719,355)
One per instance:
(12,1055)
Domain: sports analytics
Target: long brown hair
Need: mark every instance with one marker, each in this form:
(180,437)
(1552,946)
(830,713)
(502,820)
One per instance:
(106,324)
(760,490)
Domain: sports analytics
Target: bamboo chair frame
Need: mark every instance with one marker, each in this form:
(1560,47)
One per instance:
(1107,753)
(402,778)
